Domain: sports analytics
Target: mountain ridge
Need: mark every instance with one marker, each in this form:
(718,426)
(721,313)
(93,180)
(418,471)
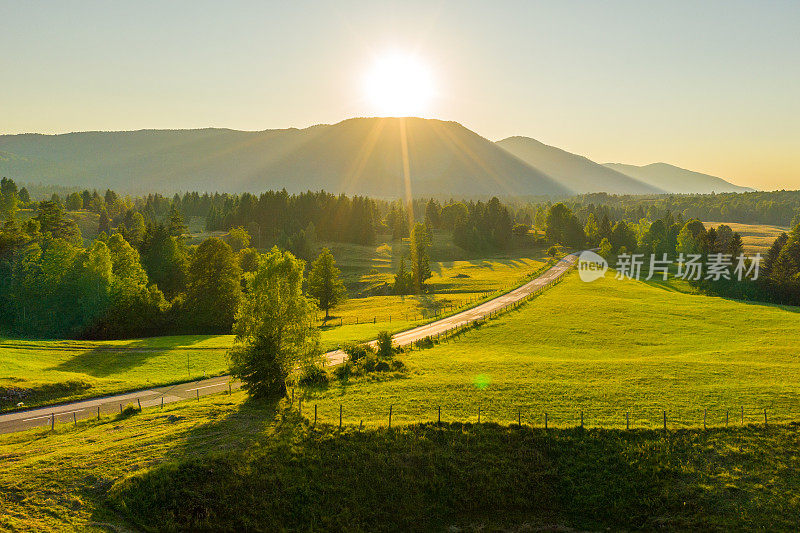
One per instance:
(687,181)
(361,155)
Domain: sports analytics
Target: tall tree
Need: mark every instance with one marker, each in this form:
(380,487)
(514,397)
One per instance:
(275,326)
(104,226)
(164,259)
(213,289)
(8,199)
(324,282)
(420,258)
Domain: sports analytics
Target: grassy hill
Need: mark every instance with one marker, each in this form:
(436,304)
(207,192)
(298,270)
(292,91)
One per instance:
(604,348)
(356,156)
(224,463)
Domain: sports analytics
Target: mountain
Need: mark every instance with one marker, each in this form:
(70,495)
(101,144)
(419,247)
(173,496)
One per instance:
(574,171)
(676,179)
(356,156)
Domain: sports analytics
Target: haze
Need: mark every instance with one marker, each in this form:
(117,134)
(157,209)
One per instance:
(709,87)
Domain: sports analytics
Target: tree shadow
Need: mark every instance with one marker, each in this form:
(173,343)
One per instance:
(102,361)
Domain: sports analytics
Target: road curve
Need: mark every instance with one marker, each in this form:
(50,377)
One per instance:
(157,396)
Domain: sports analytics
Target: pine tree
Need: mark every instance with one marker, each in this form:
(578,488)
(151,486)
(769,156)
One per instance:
(324,282)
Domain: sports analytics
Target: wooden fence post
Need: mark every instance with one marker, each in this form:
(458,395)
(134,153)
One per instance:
(315,414)
(743,415)
(162,402)
(140,403)
(581,419)
(727,413)
(627,421)
(52,421)
(519,417)
(439,421)
(198,394)
(545,420)
(479,414)
(300,407)
(765,417)
(390,416)
(120,408)
(340,417)
(705,412)
(75,417)
(98,412)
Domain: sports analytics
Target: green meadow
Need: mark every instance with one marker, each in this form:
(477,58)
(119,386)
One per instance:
(226,463)
(606,348)
(61,370)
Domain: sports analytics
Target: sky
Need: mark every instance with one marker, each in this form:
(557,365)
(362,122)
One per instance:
(709,86)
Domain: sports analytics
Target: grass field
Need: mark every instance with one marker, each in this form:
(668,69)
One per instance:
(755,237)
(604,348)
(64,370)
(45,371)
(223,463)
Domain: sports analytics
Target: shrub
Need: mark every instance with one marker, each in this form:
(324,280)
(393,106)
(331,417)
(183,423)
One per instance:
(357,351)
(385,348)
(343,371)
(369,362)
(129,411)
(313,375)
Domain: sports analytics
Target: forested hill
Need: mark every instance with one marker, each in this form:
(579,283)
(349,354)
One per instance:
(356,156)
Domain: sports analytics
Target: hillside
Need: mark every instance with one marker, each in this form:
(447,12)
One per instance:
(676,179)
(574,171)
(225,463)
(356,156)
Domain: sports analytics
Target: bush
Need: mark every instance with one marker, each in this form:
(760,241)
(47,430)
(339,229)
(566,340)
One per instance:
(369,362)
(129,411)
(385,349)
(357,351)
(343,371)
(382,366)
(313,375)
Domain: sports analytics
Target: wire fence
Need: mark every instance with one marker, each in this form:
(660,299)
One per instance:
(666,420)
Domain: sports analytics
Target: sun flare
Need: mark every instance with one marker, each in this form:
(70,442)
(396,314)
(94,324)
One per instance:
(399,84)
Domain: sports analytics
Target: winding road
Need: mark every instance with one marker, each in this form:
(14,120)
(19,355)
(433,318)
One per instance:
(157,396)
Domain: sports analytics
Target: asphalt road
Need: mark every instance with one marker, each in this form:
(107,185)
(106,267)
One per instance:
(157,396)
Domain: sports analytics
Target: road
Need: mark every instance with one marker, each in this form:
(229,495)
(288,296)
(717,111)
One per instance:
(157,396)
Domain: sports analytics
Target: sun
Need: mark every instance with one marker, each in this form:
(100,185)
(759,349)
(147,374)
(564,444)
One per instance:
(399,84)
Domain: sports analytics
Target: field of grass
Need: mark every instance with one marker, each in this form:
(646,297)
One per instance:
(604,348)
(755,237)
(223,463)
(49,370)
(38,372)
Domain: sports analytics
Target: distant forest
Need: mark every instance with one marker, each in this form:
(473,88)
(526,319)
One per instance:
(140,275)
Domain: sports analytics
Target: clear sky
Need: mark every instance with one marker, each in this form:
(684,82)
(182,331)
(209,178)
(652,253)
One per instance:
(710,86)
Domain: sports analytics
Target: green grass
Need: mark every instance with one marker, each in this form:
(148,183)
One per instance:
(604,348)
(755,237)
(38,372)
(222,463)
(51,371)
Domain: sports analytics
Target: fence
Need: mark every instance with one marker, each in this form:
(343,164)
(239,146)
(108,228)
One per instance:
(665,420)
